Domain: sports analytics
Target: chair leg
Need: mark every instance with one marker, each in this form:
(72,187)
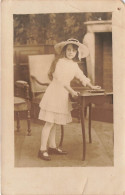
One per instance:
(28,123)
(33,110)
(62,136)
(90,137)
(18,122)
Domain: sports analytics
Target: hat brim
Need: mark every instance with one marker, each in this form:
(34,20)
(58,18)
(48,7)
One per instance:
(84,51)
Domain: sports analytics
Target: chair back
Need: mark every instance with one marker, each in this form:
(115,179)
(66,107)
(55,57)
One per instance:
(39,66)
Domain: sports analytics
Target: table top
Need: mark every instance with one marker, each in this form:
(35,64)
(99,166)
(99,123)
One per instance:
(88,92)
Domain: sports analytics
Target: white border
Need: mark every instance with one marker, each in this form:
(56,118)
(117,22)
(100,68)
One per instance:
(74,180)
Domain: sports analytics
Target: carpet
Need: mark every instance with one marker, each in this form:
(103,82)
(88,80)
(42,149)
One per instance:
(98,154)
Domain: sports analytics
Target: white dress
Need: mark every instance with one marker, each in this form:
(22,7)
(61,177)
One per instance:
(55,105)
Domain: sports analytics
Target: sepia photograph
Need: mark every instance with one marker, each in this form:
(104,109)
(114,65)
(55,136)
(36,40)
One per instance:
(62,97)
(63,90)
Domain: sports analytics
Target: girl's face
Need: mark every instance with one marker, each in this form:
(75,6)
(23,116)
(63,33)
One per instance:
(70,52)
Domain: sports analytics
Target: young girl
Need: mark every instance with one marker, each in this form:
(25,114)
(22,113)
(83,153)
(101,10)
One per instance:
(55,106)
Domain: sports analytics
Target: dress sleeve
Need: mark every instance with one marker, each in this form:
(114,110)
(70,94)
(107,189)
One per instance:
(80,75)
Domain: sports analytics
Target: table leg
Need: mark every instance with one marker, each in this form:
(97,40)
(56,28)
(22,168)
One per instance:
(83,131)
(28,123)
(90,138)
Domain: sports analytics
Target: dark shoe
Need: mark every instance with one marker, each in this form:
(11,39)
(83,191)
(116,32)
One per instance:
(57,151)
(41,154)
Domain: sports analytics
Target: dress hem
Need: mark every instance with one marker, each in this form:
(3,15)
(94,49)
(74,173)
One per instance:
(54,117)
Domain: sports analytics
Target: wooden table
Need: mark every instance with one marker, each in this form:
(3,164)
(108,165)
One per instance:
(87,98)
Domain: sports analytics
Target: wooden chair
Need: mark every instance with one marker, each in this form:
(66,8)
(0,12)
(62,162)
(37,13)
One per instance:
(39,66)
(22,102)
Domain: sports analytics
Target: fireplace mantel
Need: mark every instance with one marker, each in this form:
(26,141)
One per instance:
(99,26)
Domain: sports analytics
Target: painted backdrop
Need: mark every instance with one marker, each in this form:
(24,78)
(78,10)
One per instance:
(37,29)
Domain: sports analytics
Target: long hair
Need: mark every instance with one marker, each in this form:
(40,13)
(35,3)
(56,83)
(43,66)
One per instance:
(62,55)
(53,67)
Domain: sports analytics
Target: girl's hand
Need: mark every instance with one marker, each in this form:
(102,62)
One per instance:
(74,93)
(95,87)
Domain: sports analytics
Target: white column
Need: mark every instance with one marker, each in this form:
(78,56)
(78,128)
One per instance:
(89,40)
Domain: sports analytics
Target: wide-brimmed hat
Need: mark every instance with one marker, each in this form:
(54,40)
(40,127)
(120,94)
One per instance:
(83,50)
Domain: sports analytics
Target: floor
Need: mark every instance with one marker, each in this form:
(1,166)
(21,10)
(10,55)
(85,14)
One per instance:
(98,154)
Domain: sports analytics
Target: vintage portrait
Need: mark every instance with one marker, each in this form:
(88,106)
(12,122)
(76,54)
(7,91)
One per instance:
(63,83)
(63,114)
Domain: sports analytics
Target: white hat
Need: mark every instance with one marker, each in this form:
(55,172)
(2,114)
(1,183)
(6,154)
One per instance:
(83,50)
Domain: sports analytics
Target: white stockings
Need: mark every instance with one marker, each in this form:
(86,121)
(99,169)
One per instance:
(48,134)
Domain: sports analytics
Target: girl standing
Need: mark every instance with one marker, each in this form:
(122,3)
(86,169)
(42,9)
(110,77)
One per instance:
(55,107)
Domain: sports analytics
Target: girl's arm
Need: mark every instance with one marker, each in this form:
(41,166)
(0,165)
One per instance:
(71,91)
(85,81)
(67,87)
